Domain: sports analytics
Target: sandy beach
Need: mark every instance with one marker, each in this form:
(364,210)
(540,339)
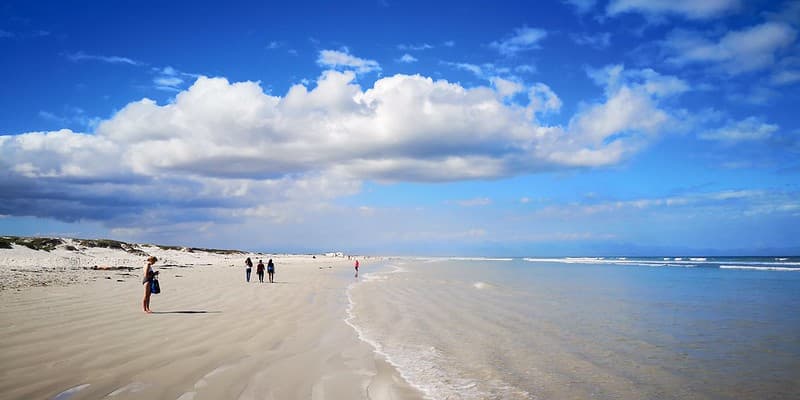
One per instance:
(211,336)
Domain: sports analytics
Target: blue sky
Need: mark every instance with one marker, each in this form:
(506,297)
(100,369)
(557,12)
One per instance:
(572,127)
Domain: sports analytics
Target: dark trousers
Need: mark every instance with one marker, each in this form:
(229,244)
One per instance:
(248,274)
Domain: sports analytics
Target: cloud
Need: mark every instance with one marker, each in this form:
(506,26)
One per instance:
(523,39)
(225,151)
(170,79)
(789,13)
(726,203)
(407,58)
(736,52)
(612,130)
(599,40)
(525,68)
(746,130)
(487,71)
(74,116)
(167,83)
(785,77)
(476,202)
(543,99)
(475,69)
(23,35)
(343,60)
(505,87)
(414,47)
(691,9)
(582,6)
(787,70)
(81,56)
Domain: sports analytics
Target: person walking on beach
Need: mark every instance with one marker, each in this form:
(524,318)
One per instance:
(147,279)
(356,268)
(271,271)
(260,271)
(248,268)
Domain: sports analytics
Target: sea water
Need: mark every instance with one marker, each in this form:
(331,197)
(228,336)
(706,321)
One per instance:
(581,328)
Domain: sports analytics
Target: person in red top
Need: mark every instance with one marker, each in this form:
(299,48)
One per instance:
(356,268)
(260,271)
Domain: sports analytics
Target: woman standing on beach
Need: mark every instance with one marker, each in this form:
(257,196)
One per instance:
(356,268)
(271,270)
(248,268)
(147,279)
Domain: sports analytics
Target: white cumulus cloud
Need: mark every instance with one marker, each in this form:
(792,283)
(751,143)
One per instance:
(228,150)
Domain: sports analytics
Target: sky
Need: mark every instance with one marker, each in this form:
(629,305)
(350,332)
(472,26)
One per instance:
(515,128)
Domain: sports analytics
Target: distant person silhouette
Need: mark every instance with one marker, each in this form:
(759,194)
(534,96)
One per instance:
(248,268)
(271,271)
(356,268)
(260,271)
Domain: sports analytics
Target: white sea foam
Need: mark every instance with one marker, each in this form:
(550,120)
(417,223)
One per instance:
(759,268)
(480,285)
(420,365)
(478,259)
(665,262)
(382,276)
(440,259)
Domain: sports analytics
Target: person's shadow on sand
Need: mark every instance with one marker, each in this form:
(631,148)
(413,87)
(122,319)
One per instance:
(187,312)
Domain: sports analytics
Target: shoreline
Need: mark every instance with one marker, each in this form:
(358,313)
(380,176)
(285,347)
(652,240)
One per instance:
(211,335)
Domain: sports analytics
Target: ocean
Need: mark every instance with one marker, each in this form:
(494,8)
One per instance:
(586,328)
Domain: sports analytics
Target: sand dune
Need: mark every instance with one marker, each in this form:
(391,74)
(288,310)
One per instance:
(211,336)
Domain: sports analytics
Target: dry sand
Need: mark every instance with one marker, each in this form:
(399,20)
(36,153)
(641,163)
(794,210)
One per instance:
(211,336)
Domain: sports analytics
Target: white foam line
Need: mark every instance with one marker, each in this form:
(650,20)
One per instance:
(677,262)
(445,385)
(759,268)
(377,348)
(438,259)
